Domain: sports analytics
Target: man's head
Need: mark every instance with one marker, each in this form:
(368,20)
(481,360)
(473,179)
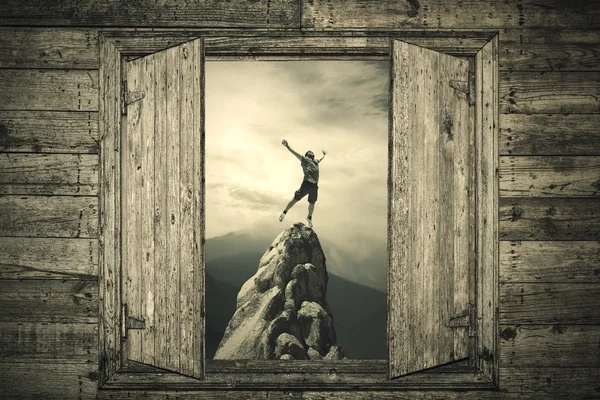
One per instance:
(310,155)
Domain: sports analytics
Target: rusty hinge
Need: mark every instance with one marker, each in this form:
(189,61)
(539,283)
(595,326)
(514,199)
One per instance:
(128,322)
(129,97)
(466,87)
(466,319)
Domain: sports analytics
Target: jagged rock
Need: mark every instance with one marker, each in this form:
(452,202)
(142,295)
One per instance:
(282,311)
(289,344)
(313,354)
(316,326)
(335,353)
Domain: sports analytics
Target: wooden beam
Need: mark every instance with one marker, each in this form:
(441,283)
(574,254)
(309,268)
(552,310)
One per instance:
(54,258)
(574,134)
(549,346)
(206,13)
(64,174)
(54,90)
(549,50)
(558,262)
(48,300)
(549,176)
(49,381)
(549,92)
(49,216)
(549,303)
(545,383)
(49,132)
(41,342)
(427,14)
(549,218)
(48,48)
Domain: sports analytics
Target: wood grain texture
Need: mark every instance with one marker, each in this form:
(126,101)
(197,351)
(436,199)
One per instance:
(49,216)
(52,90)
(36,342)
(549,176)
(163,261)
(64,174)
(550,346)
(205,13)
(549,218)
(580,383)
(49,132)
(190,395)
(340,14)
(558,262)
(486,208)
(549,303)
(549,92)
(425,167)
(48,48)
(55,258)
(48,381)
(549,50)
(109,241)
(48,301)
(525,134)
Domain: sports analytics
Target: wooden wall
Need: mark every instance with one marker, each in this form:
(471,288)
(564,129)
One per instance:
(549,180)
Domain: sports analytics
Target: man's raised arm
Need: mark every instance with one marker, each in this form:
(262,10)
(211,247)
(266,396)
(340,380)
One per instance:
(285,143)
(324,153)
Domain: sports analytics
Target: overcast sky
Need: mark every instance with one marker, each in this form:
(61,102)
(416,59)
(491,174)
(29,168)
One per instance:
(339,106)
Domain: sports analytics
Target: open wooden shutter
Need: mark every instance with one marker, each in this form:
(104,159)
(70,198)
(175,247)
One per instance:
(162,209)
(429,203)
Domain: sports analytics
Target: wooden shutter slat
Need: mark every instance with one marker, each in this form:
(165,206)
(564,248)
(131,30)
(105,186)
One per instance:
(429,209)
(165,263)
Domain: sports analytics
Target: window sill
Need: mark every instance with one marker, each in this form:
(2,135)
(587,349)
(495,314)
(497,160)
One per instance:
(298,375)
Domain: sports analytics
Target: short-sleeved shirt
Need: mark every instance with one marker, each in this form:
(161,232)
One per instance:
(310,168)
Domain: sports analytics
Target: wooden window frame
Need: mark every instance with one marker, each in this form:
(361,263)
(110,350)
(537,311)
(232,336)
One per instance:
(481,370)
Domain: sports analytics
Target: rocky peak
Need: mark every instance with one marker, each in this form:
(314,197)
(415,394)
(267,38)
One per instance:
(282,310)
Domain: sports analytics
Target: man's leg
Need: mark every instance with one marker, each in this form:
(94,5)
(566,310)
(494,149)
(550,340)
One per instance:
(290,205)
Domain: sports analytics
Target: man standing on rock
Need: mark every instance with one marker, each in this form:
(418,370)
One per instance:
(310,166)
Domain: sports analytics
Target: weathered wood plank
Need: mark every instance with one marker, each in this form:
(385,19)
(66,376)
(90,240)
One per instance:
(35,258)
(549,303)
(48,300)
(340,14)
(549,92)
(64,174)
(49,132)
(53,90)
(550,262)
(401,395)
(208,13)
(549,346)
(485,209)
(573,383)
(109,241)
(48,381)
(573,134)
(48,48)
(48,342)
(549,176)
(549,50)
(49,216)
(549,218)
(191,395)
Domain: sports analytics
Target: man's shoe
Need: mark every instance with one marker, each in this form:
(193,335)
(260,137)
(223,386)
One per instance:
(310,225)
(281,217)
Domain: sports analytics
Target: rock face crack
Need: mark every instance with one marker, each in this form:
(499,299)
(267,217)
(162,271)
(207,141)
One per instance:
(282,311)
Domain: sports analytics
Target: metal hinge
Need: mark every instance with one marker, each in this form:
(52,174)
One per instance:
(128,322)
(466,319)
(466,87)
(129,97)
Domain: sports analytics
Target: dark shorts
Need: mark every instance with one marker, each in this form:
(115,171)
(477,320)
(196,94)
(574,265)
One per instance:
(307,188)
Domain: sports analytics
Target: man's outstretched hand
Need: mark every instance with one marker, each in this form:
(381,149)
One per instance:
(324,152)
(284,142)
